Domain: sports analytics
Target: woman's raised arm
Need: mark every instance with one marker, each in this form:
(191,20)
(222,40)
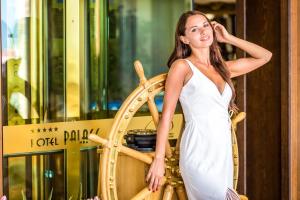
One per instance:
(259,55)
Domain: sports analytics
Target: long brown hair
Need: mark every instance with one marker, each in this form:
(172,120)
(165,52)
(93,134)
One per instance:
(183,50)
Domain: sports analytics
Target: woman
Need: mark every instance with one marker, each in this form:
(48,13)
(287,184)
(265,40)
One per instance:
(201,80)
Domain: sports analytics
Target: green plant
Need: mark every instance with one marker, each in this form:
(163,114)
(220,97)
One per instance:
(51,194)
(49,198)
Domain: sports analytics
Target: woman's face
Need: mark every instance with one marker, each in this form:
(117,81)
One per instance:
(198,32)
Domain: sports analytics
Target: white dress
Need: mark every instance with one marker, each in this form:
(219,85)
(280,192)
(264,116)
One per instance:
(206,162)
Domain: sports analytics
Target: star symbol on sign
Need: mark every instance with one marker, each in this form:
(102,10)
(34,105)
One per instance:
(55,128)
(39,130)
(50,129)
(44,130)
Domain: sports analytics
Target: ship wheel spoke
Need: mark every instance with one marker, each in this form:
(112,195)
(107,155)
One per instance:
(151,104)
(128,151)
(180,190)
(168,193)
(144,193)
(136,154)
(97,139)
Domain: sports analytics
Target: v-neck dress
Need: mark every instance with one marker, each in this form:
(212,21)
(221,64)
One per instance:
(206,162)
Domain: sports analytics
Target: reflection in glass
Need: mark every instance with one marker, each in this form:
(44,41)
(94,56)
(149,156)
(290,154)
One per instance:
(89,173)
(15,60)
(96,75)
(33,61)
(141,30)
(34,177)
(34,75)
(54,65)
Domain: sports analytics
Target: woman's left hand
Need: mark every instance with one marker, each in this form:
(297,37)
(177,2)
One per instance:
(221,32)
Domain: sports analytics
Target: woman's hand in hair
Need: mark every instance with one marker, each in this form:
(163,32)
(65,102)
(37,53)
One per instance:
(221,32)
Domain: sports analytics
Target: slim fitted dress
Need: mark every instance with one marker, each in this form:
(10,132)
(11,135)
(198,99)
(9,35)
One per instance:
(206,162)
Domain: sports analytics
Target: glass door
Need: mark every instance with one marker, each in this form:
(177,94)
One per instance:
(44,74)
(65,64)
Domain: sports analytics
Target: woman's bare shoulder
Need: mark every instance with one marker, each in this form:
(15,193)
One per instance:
(179,66)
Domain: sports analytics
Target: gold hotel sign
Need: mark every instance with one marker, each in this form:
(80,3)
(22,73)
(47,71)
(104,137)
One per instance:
(35,138)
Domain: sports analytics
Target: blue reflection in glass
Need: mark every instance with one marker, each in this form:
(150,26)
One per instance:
(159,100)
(49,174)
(114,105)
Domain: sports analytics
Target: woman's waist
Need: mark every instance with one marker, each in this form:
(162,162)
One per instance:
(207,117)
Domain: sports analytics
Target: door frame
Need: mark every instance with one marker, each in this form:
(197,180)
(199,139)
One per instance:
(290,98)
(294,101)
(1,106)
(241,99)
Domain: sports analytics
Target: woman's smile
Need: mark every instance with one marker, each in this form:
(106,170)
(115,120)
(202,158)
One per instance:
(205,38)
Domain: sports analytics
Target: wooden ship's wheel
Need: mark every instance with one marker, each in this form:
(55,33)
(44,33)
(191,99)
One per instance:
(112,146)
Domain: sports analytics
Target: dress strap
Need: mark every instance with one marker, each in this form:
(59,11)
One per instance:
(190,64)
